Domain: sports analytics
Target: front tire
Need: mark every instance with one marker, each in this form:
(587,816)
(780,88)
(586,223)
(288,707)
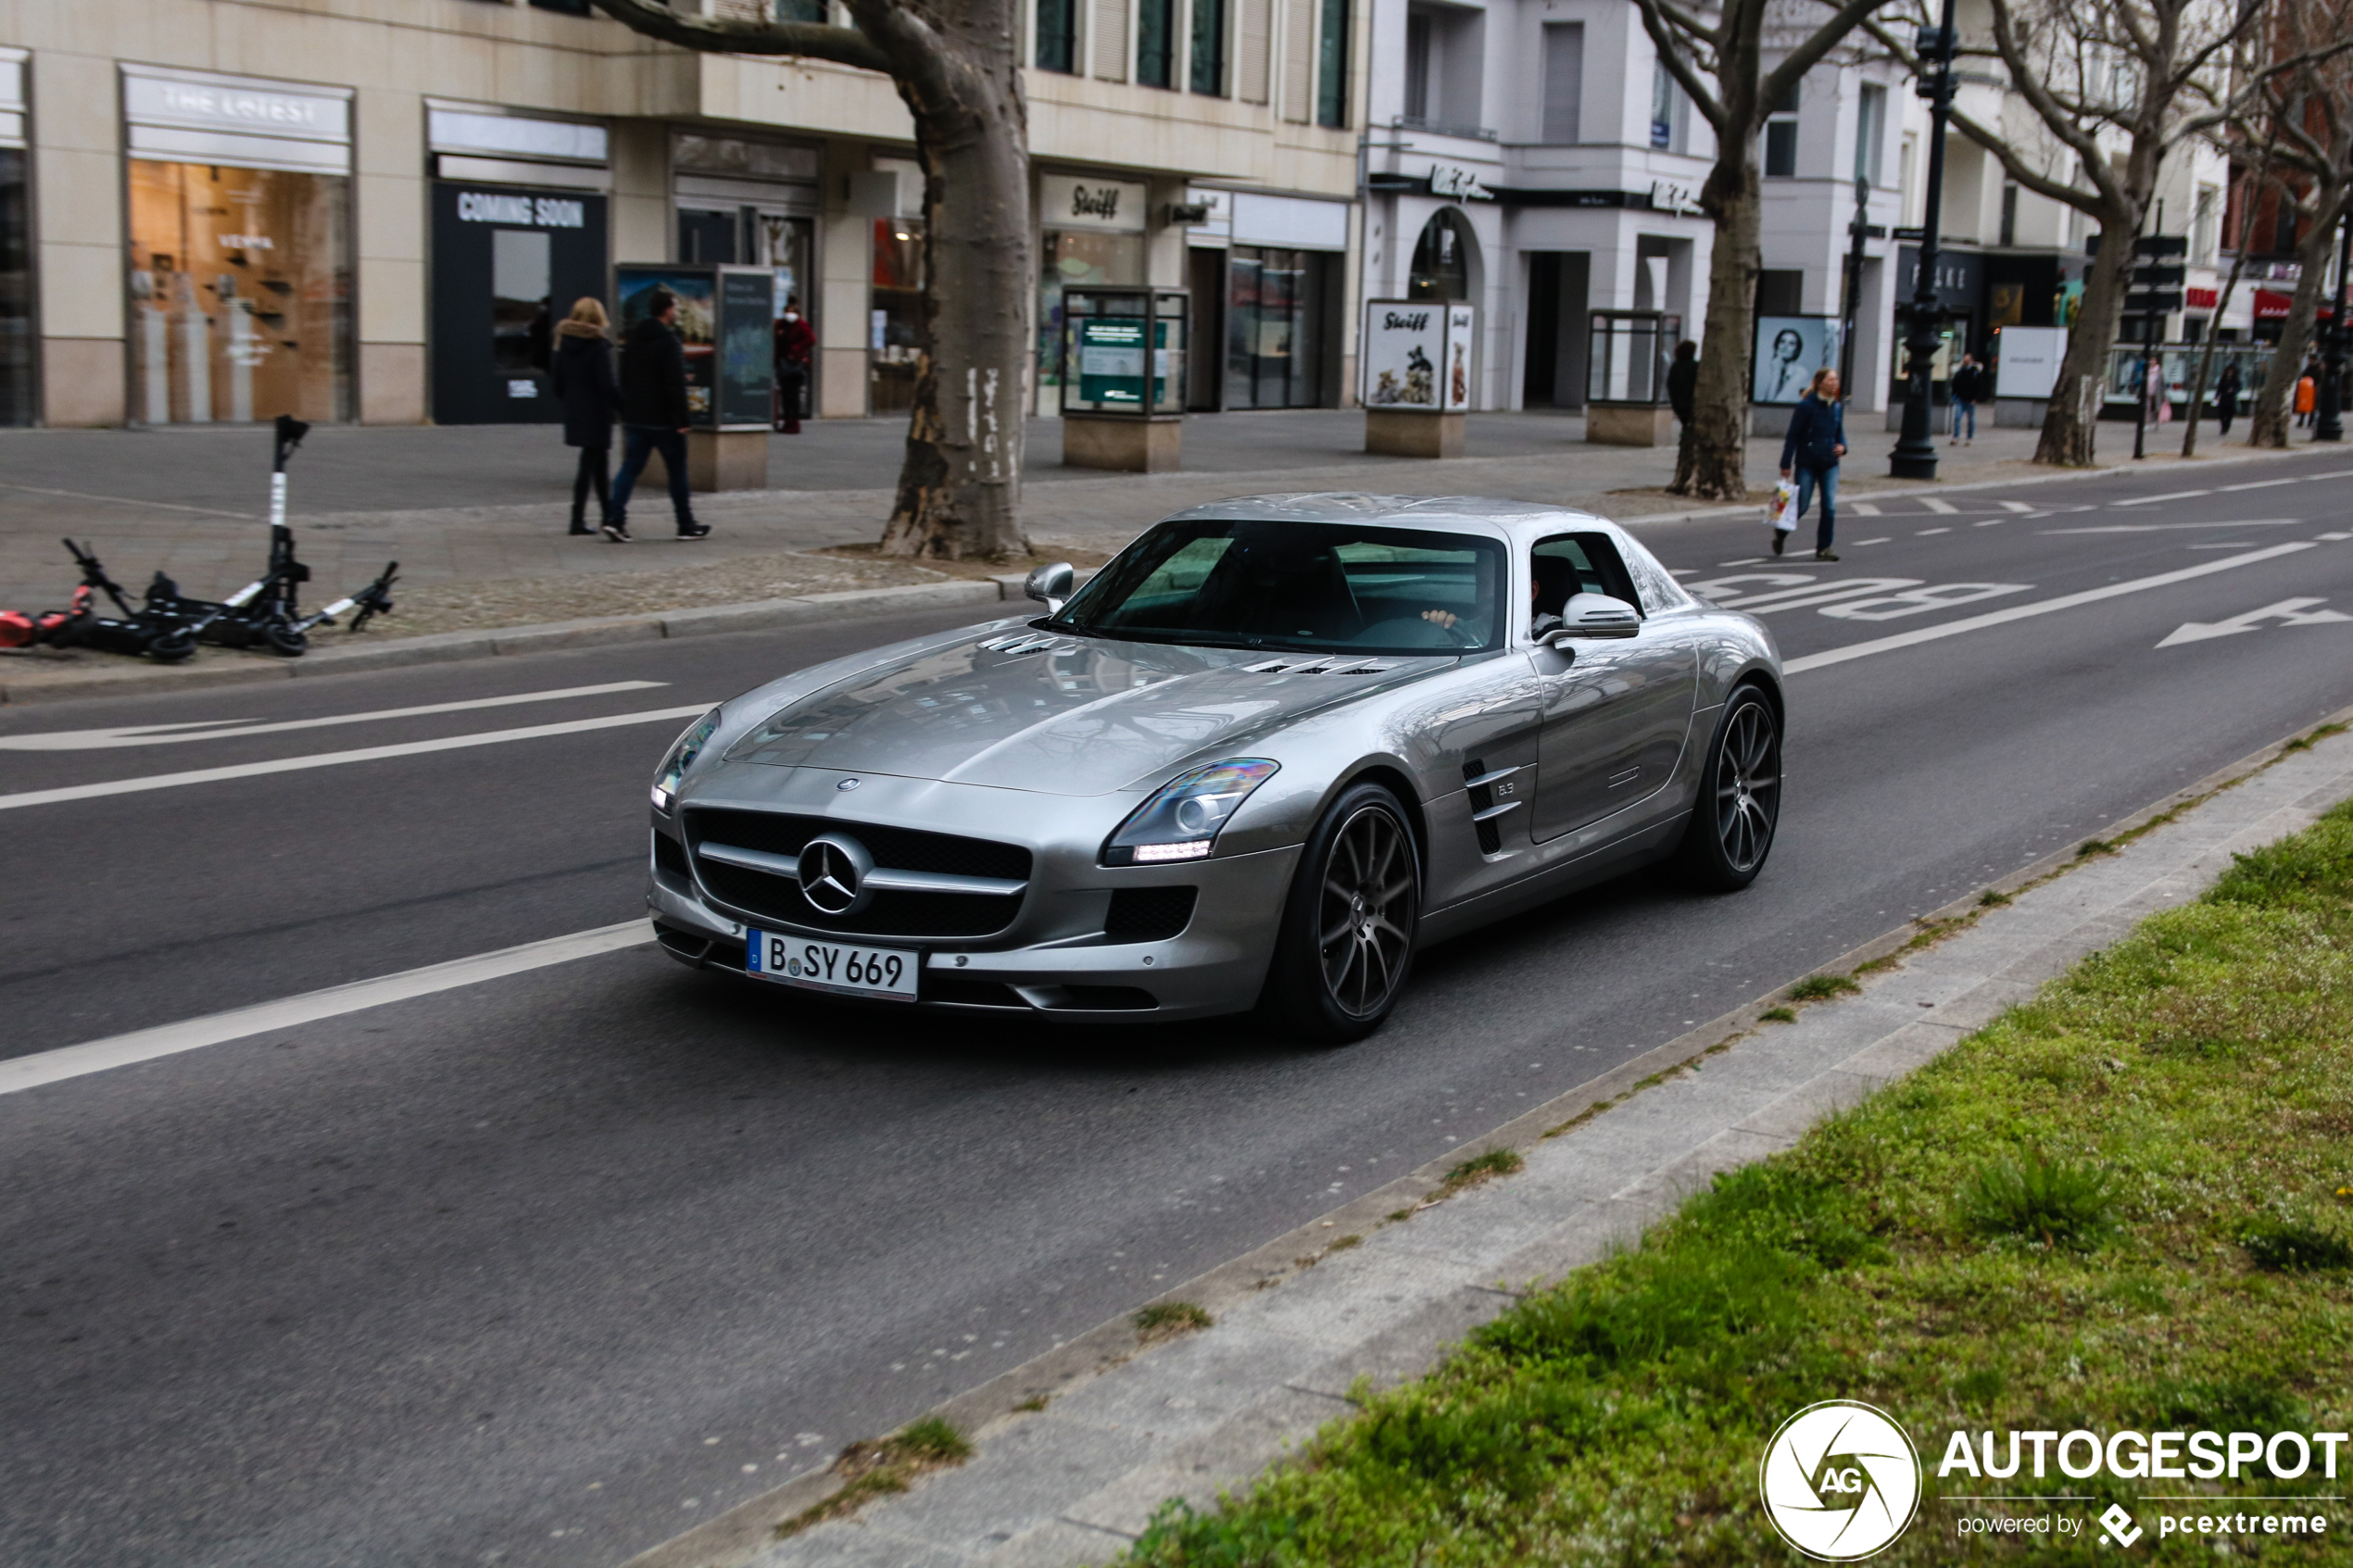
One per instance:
(1346,944)
(1740,798)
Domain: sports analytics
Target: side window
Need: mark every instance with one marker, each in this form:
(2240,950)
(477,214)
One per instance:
(1578,563)
(1657,585)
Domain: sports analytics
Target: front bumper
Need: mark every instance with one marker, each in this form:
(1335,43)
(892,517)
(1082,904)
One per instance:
(1054,958)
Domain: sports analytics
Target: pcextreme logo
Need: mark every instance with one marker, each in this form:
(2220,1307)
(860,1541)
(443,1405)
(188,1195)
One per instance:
(1839,1480)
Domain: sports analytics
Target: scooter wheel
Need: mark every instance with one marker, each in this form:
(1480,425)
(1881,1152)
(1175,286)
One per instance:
(286,640)
(171,647)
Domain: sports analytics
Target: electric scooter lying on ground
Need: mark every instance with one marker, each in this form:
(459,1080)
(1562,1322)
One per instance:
(168,625)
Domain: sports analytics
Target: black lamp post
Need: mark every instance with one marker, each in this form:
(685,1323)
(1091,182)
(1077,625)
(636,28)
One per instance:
(1859,228)
(2330,426)
(1915,453)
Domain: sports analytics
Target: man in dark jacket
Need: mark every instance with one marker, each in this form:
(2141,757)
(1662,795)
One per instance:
(1817,441)
(1682,381)
(2226,395)
(1967,389)
(653,415)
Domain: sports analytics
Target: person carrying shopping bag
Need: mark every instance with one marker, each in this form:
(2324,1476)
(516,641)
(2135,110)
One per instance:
(582,371)
(1817,440)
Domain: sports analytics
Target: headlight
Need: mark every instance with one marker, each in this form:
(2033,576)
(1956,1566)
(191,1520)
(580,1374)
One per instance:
(682,753)
(1180,822)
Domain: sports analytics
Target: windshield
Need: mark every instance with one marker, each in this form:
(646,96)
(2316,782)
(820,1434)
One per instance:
(1316,585)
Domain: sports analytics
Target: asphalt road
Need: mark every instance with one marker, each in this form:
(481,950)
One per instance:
(544,1270)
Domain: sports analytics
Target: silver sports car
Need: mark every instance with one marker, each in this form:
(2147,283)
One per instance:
(1272,748)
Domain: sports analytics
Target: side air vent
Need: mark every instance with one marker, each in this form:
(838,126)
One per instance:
(1149,914)
(670,861)
(1478,783)
(1019,643)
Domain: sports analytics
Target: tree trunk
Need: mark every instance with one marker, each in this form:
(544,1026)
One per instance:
(2073,416)
(960,484)
(2206,352)
(2274,411)
(1711,464)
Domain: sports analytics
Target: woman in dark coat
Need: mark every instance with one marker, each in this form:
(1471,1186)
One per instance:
(584,378)
(2226,395)
(1817,441)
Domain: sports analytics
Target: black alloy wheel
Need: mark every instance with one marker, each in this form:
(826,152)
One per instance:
(1349,928)
(1740,798)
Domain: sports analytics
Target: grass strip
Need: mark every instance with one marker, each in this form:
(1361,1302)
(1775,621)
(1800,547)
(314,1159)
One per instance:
(2127,1204)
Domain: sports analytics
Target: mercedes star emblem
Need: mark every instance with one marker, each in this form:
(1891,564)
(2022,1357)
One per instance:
(833,869)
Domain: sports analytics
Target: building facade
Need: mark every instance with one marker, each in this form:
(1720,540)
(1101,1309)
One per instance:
(369,210)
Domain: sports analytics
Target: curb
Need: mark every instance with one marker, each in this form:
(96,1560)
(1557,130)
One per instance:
(236,669)
(745,1531)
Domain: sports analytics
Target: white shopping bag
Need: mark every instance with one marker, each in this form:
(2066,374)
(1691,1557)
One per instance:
(1781,511)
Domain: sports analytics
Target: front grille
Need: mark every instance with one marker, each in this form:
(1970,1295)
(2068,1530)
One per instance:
(1149,914)
(670,860)
(767,897)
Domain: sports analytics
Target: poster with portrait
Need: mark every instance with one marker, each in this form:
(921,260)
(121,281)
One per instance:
(1789,350)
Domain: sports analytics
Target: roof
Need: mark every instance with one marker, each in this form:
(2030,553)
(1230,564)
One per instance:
(1479,512)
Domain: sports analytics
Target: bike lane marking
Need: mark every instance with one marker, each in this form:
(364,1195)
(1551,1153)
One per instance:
(231,729)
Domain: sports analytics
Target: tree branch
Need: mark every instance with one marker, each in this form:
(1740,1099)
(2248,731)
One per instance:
(811,41)
(1807,56)
(2093,202)
(1663,38)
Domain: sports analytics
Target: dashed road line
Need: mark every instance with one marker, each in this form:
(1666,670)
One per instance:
(229,729)
(1935,504)
(2153,500)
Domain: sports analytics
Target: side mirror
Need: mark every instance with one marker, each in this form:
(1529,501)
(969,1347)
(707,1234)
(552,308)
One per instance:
(1051,585)
(1594,615)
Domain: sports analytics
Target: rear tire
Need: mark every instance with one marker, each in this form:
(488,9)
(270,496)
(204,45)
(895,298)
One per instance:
(1740,798)
(1346,947)
(284,641)
(171,647)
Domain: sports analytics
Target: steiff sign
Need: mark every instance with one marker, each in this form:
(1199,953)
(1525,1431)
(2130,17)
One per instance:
(1415,356)
(1067,201)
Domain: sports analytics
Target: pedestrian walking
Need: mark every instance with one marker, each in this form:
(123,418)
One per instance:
(2307,393)
(2226,397)
(582,371)
(1817,440)
(1967,389)
(1682,381)
(653,415)
(794,343)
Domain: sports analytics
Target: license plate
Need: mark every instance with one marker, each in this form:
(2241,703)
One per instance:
(887,973)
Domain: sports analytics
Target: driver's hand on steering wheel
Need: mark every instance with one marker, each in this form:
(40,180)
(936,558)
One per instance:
(1446,617)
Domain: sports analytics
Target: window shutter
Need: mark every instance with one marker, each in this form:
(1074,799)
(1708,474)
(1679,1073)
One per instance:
(1564,80)
(1110,40)
(1256,26)
(1299,60)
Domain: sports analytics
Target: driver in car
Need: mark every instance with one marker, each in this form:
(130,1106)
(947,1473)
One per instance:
(1552,580)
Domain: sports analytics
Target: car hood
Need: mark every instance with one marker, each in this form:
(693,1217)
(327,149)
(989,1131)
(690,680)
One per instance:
(1061,715)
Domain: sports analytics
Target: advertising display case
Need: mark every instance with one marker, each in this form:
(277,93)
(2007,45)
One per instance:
(1415,375)
(1627,355)
(1124,355)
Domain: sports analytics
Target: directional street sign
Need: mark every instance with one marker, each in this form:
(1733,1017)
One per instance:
(2287,612)
(2160,302)
(2159,277)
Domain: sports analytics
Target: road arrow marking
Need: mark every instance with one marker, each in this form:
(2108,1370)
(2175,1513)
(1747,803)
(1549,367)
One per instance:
(2287,612)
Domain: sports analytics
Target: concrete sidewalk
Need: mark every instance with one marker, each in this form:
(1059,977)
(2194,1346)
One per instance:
(1300,1322)
(488,503)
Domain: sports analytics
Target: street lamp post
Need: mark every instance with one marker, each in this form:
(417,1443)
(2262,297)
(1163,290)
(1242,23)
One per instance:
(1859,228)
(1915,453)
(2331,423)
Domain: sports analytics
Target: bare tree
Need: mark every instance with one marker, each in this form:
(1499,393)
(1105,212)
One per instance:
(2147,74)
(956,64)
(2199,380)
(2302,109)
(1719,63)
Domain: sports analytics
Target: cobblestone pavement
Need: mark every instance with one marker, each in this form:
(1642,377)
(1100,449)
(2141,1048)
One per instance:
(487,503)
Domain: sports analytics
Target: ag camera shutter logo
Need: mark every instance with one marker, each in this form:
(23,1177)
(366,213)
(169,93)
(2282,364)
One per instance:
(1840,1481)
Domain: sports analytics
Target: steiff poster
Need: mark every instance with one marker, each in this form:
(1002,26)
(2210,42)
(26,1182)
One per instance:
(1415,355)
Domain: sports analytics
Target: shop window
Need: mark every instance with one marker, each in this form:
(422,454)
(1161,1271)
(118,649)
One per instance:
(1871,131)
(2009,215)
(1058,35)
(1076,258)
(1208,60)
(1418,50)
(241,294)
(1564,80)
(1156,43)
(894,345)
(1441,258)
(16,293)
(1666,111)
(1274,328)
(1780,138)
(520,320)
(1332,65)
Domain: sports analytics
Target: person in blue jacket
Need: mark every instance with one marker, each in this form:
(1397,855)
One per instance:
(1817,441)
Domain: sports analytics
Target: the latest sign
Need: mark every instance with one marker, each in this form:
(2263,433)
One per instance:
(1417,355)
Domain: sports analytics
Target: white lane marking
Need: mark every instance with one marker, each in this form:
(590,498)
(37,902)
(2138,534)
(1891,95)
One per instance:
(335,759)
(1752,561)
(1919,601)
(1862,509)
(2153,500)
(209,729)
(1990,522)
(31,1072)
(2175,527)
(2261,484)
(1934,505)
(2333,537)
(1860,542)
(1926,531)
(2287,612)
(2040,606)
(2011,507)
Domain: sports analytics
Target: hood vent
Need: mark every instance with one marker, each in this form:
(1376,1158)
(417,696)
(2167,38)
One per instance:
(1327,665)
(1019,645)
